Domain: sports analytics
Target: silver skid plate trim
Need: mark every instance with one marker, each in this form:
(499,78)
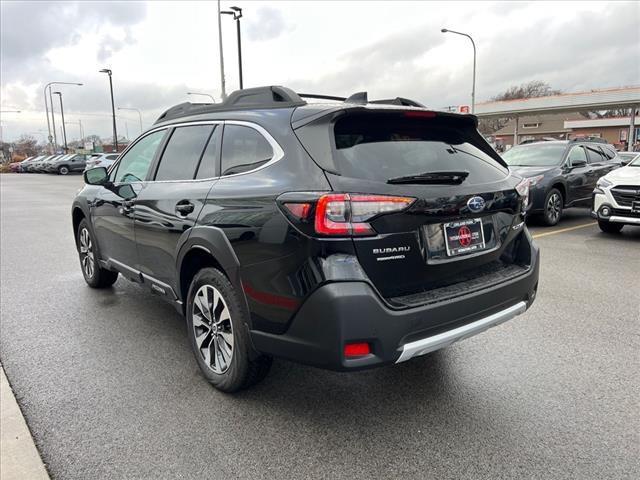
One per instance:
(436,342)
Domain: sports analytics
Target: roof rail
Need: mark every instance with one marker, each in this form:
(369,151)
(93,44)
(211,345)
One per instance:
(322,97)
(359,97)
(271,97)
(259,97)
(589,139)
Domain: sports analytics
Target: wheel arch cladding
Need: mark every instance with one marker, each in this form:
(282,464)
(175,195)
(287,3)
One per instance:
(562,189)
(77,216)
(206,247)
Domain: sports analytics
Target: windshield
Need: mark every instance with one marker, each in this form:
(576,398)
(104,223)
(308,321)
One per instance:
(381,147)
(535,155)
(635,163)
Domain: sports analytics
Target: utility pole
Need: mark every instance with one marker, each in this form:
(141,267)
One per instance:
(222,86)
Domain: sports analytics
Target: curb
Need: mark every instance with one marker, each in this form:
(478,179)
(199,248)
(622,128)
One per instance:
(19,458)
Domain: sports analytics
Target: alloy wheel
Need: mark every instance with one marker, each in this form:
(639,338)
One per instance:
(212,328)
(64,170)
(554,207)
(86,253)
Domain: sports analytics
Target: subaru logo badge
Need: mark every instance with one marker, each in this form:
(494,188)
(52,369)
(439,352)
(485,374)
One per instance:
(476,204)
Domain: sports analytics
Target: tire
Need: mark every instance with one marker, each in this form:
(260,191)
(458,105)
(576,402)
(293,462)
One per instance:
(553,203)
(216,324)
(93,273)
(63,170)
(608,227)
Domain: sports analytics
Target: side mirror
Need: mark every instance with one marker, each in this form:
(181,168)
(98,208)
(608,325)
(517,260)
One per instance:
(125,191)
(96,176)
(578,163)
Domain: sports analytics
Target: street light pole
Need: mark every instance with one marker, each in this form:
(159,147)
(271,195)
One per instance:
(222,86)
(237,15)
(53,122)
(46,108)
(113,108)
(203,94)
(64,128)
(135,110)
(473,88)
(53,140)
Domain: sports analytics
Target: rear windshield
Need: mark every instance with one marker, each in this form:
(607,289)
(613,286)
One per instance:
(383,147)
(535,155)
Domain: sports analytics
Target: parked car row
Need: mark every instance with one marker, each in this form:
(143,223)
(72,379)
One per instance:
(60,164)
(63,164)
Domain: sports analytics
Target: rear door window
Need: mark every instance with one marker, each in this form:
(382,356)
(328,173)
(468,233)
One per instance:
(243,149)
(183,152)
(382,147)
(209,162)
(595,155)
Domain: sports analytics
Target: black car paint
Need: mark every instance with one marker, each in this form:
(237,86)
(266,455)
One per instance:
(576,183)
(237,222)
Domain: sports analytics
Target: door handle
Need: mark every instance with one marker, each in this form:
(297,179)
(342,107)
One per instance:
(184,208)
(127,205)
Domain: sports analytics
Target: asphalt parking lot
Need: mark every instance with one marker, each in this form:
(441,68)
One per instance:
(110,388)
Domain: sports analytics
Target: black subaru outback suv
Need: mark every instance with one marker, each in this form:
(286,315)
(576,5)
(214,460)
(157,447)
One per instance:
(343,234)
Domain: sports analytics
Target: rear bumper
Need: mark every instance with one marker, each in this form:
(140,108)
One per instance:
(349,312)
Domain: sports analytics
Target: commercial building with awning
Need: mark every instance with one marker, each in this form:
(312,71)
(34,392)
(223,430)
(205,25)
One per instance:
(594,100)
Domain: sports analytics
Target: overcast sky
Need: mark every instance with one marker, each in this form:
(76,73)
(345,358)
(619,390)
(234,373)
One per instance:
(158,51)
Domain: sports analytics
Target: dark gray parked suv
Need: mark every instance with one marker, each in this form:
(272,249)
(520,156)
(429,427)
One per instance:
(344,235)
(561,173)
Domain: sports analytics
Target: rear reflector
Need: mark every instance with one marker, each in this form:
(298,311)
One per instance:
(299,210)
(356,350)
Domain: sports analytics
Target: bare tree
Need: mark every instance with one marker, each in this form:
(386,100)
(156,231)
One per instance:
(533,89)
(26,145)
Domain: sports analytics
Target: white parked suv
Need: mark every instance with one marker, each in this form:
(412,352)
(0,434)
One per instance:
(101,160)
(616,199)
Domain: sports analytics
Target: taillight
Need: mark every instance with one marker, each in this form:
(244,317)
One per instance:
(344,214)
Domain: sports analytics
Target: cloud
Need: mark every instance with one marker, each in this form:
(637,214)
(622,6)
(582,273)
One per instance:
(582,52)
(30,29)
(267,24)
(587,51)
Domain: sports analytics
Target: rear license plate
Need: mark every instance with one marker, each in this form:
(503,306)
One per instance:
(635,207)
(464,236)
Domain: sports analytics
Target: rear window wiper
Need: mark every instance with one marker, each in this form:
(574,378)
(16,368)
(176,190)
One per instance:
(432,178)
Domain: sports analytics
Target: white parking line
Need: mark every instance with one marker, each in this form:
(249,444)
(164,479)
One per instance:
(562,230)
